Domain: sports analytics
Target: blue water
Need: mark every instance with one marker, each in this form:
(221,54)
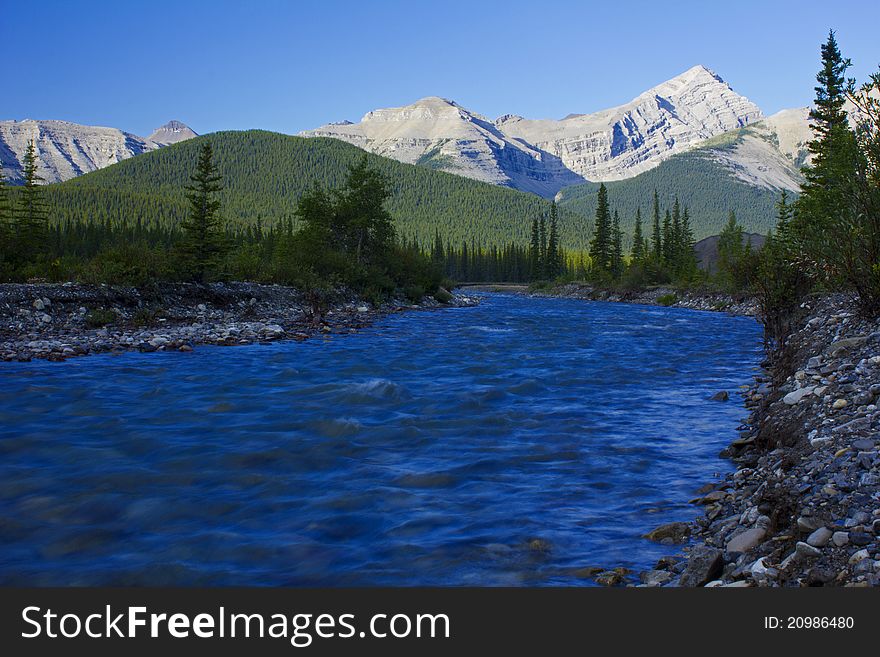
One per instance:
(430,449)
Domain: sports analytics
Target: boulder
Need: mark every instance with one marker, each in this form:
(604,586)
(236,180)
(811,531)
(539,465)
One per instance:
(677,532)
(704,564)
(745,541)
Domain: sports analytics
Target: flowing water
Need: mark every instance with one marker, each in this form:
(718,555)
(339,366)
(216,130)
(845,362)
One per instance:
(508,444)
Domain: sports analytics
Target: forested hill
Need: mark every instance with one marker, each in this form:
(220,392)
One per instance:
(264,174)
(707,188)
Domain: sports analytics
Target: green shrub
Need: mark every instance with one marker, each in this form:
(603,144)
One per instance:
(414,293)
(442,295)
(667,300)
(100,317)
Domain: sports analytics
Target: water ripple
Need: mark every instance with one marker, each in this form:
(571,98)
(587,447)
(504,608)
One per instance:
(431,449)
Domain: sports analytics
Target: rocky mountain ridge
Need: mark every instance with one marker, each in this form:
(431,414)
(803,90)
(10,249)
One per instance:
(66,150)
(544,156)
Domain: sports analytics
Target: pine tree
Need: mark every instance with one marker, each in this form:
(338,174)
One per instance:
(676,250)
(616,247)
(203,244)
(32,216)
(554,261)
(688,264)
(730,249)
(600,247)
(667,248)
(657,235)
(535,252)
(637,252)
(542,232)
(837,234)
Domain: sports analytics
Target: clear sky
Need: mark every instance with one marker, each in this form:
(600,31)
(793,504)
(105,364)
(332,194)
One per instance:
(290,66)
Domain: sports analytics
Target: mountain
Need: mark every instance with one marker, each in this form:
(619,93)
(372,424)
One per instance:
(171,133)
(66,150)
(439,134)
(264,174)
(544,156)
(743,171)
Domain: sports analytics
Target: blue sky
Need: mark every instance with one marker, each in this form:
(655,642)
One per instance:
(289,66)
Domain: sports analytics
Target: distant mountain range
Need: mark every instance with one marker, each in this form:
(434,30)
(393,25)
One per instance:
(546,156)
(691,137)
(66,150)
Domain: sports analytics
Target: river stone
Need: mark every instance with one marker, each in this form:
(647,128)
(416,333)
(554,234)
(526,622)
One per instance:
(704,564)
(807,550)
(677,532)
(840,403)
(746,540)
(720,396)
(808,524)
(820,537)
(863,445)
(846,344)
(793,398)
(655,577)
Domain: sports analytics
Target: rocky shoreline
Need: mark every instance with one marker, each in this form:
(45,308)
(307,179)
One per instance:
(659,296)
(802,507)
(60,321)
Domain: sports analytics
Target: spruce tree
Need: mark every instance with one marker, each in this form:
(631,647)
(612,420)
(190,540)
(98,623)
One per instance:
(616,247)
(688,264)
(667,246)
(32,216)
(202,243)
(600,247)
(657,235)
(535,252)
(676,250)
(554,261)
(638,245)
(827,221)
(542,250)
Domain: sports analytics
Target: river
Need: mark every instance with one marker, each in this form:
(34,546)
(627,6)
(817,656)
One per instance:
(513,443)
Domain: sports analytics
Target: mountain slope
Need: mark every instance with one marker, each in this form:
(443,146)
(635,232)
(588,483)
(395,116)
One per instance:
(544,156)
(264,174)
(66,150)
(706,186)
(743,170)
(438,133)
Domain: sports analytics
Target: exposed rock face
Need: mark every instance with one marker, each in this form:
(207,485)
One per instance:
(171,133)
(438,133)
(66,150)
(543,156)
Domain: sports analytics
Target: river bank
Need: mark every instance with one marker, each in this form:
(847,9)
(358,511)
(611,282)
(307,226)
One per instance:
(802,507)
(658,296)
(739,305)
(60,321)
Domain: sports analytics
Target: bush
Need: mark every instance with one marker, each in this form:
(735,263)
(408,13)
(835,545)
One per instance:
(414,293)
(667,300)
(442,295)
(100,317)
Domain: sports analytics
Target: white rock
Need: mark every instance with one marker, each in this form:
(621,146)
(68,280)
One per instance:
(861,555)
(795,397)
